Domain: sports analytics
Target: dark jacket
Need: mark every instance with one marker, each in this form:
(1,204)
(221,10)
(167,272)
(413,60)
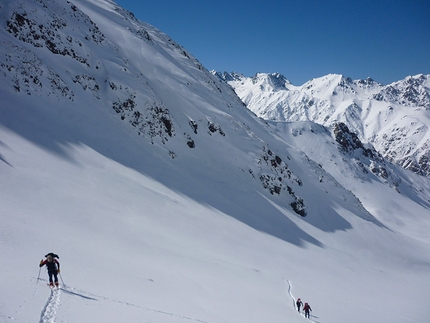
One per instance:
(52,266)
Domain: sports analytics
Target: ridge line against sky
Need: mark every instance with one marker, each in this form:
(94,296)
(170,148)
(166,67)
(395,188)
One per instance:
(384,40)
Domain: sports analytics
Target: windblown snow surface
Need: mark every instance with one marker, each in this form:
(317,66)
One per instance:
(149,229)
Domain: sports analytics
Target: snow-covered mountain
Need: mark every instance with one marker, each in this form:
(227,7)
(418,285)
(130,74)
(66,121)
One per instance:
(394,118)
(169,201)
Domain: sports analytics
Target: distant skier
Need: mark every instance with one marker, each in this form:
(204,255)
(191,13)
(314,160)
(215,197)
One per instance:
(53,267)
(307,308)
(299,304)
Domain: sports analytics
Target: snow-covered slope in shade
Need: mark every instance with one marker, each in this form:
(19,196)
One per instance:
(169,201)
(394,118)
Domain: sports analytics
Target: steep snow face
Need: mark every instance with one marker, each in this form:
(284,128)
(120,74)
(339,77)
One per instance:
(394,118)
(142,79)
(168,200)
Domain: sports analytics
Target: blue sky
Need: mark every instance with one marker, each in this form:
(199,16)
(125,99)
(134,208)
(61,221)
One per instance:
(302,39)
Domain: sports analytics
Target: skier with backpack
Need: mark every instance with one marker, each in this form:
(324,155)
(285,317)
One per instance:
(307,308)
(53,267)
(299,304)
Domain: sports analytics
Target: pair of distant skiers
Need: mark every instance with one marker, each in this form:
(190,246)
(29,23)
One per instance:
(306,308)
(53,267)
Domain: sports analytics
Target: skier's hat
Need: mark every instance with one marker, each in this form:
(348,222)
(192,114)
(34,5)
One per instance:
(53,255)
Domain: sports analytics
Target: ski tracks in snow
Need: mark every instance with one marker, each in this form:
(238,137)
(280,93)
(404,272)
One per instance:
(187,318)
(49,312)
(288,290)
(160,312)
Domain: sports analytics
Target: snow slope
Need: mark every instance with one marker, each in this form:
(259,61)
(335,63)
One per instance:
(169,201)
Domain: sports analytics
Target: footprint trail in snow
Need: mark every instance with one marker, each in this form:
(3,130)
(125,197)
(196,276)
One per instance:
(49,312)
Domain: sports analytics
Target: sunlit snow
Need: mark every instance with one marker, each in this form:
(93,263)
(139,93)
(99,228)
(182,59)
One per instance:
(149,229)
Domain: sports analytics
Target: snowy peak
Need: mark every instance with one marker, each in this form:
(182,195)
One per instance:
(323,87)
(414,91)
(380,115)
(271,82)
(228,77)
(264,82)
(339,88)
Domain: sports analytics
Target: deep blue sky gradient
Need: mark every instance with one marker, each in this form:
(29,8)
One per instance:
(301,39)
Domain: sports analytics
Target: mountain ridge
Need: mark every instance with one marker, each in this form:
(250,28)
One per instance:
(394,118)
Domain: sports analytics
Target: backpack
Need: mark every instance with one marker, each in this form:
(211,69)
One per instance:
(53,255)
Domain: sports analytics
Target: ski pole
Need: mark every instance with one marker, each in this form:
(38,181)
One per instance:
(38,275)
(62,280)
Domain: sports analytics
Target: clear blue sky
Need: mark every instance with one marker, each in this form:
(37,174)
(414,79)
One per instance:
(302,39)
